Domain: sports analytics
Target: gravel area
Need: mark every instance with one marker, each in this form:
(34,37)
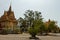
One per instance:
(26,37)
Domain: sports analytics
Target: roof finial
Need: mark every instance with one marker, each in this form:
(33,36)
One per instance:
(49,20)
(10,6)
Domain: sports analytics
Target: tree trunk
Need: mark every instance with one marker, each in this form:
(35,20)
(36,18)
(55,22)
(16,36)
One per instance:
(33,36)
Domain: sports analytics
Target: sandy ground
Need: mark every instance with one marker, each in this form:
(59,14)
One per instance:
(26,37)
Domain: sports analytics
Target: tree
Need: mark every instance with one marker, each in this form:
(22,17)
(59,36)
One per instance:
(34,29)
(34,19)
(20,21)
(42,29)
(52,26)
(22,24)
(31,15)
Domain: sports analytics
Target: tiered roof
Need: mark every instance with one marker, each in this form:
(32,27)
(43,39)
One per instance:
(7,16)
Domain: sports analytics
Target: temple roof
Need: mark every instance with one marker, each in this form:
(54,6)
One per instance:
(8,16)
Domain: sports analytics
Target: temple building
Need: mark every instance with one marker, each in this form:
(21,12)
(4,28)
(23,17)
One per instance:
(8,20)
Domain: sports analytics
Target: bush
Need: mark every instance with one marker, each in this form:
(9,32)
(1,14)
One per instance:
(33,31)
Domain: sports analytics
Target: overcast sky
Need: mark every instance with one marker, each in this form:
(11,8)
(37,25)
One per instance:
(50,9)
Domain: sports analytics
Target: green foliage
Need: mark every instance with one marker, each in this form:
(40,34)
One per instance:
(4,31)
(35,28)
(33,16)
(33,31)
(42,28)
(52,26)
(34,22)
(16,31)
(35,19)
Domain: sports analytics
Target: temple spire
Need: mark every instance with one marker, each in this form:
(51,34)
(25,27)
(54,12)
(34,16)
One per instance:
(49,20)
(10,8)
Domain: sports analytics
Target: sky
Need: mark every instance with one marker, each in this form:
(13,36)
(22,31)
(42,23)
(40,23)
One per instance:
(50,9)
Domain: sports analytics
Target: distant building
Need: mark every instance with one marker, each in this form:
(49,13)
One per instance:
(47,23)
(8,20)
